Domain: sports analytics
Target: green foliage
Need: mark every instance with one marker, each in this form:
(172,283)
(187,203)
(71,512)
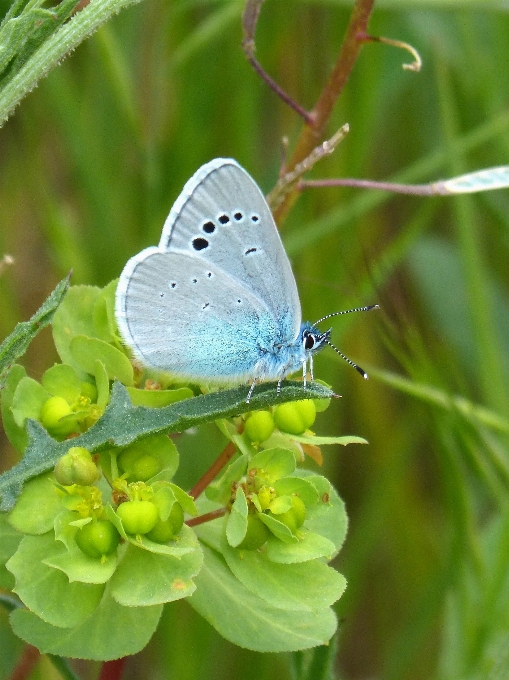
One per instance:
(105,534)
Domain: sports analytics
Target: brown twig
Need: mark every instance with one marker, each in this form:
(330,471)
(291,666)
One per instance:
(313,131)
(207,517)
(213,471)
(249,21)
(26,664)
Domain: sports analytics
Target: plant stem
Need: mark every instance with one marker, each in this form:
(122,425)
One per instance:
(213,470)
(26,664)
(56,48)
(207,517)
(312,133)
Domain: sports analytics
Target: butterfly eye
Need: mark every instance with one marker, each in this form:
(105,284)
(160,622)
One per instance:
(309,341)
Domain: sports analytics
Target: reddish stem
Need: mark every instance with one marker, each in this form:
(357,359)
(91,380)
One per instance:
(213,470)
(207,517)
(312,134)
(26,664)
(112,670)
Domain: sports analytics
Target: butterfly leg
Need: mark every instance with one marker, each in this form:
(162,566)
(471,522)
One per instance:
(311,368)
(305,373)
(251,390)
(278,389)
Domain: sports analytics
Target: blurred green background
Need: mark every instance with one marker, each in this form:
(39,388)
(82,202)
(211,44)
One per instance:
(90,165)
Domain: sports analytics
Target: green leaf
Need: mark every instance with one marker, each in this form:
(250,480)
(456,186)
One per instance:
(103,313)
(220,490)
(287,486)
(9,542)
(62,380)
(15,345)
(273,463)
(47,591)
(247,620)
(79,567)
(236,524)
(144,578)
(123,424)
(309,547)
(37,507)
(113,631)
(327,518)
(185,500)
(307,586)
(102,383)
(74,317)
(56,44)
(86,351)
(16,435)
(28,400)
(280,530)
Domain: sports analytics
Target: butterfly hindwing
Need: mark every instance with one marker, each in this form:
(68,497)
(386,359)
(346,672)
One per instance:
(185,316)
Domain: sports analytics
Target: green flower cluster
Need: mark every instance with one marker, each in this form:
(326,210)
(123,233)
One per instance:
(99,544)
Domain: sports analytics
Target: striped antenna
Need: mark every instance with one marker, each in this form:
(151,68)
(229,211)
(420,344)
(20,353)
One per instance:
(348,311)
(349,361)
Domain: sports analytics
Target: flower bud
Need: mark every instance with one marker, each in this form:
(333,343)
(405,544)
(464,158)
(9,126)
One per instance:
(98,538)
(52,411)
(76,467)
(256,535)
(295,417)
(165,531)
(138,464)
(295,516)
(259,426)
(138,517)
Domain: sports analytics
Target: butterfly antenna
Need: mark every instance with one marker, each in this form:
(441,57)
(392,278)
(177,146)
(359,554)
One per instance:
(348,311)
(348,361)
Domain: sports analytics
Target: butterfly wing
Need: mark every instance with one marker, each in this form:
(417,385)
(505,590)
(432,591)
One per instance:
(222,212)
(186,316)
(218,293)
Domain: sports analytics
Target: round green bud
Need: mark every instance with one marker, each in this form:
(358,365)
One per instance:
(98,538)
(259,426)
(137,464)
(76,467)
(295,417)
(52,411)
(165,531)
(294,517)
(138,517)
(256,535)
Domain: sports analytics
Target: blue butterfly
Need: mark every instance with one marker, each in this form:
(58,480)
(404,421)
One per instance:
(216,302)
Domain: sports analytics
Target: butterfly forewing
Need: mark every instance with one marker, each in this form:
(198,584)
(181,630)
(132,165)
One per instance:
(222,217)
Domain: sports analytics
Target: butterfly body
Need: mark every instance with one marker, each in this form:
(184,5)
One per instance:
(216,302)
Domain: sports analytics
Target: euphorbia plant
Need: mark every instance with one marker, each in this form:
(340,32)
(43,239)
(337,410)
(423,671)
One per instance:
(98,534)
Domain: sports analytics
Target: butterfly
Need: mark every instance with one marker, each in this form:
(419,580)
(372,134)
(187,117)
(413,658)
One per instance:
(216,301)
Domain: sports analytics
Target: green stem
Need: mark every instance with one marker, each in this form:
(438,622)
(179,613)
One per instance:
(56,48)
